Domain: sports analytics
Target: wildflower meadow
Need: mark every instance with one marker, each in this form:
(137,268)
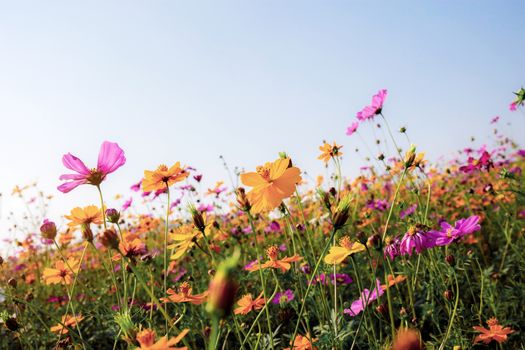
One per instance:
(409,254)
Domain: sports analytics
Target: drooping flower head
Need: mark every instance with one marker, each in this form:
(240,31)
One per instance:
(368,112)
(271,183)
(415,238)
(110,158)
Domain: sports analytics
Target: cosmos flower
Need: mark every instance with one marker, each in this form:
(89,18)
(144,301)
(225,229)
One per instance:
(146,339)
(495,332)
(366,298)
(449,233)
(368,112)
(284,297)
(84,216)
(393,281)
(247,304)
(303,343)
(329,151)
(352,128)
(110,158)
(484,162)
(162,177)
(392,247)
(217,190)
(408,211)
(271,183)
(62,272)
(414,238)
(184,295)
(127,204)
(274,262)
(346,248)
(67,321)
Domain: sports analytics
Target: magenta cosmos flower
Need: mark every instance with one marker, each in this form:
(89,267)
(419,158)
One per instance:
(365,299)
(369,112)
(110,158)
(449,233)
(352,128)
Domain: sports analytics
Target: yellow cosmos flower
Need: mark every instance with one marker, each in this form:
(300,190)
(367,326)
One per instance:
(162,177)
(271,183)
(85,216)
(339,253)
(62,273)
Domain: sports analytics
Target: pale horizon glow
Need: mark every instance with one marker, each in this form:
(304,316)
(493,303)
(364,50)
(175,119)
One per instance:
(190,81)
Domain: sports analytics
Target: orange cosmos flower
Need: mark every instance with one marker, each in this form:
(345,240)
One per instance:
(162,177)
(329,151)
(303,343)
(275,263)
(495,332)
(407,338)
(185,295)
(248,304)
(84,216)
(62,273)
(146,339)
(67,321)
(392,281)
(338,254)
(272,183)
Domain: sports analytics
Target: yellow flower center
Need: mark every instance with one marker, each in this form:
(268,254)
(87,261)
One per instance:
(185,289)
(272,252)
(264,171)
(345,242)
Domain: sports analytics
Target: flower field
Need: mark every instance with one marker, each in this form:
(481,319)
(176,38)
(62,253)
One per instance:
(410,254)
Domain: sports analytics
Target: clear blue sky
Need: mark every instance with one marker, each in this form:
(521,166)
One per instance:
(190,80)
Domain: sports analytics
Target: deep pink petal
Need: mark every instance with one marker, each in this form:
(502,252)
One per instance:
(73,163)
(73,177)
(110,158)
(68,186)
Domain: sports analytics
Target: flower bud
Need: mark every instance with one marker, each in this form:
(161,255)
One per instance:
(87,234)
(223,287)
(374,241)
(342,213)
(244,204)
(12,282)
(448,294)
(109,239)
(112,215)
(12,324)
(48,229)
(410,156)
(407,338)
(1,261)
(198,220)
(450,259)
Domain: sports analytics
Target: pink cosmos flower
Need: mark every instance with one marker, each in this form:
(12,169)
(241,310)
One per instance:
(513,106)
(352,128)
(127,204)
(110,158)
(368,112)
(366,298)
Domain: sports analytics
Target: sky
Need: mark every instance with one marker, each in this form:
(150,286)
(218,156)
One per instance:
(191,80)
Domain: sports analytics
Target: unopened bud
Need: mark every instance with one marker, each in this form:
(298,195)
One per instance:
(342,213)
(12,282)
(223,287)
(198,220)
(113,215)
(448,294)
(12,324)
(410,156)
(243,201)
(450,259)
(48,229)
(87,234)
(109,239)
